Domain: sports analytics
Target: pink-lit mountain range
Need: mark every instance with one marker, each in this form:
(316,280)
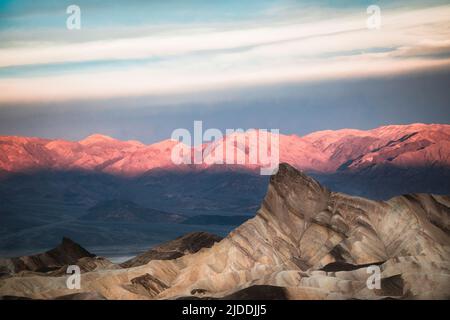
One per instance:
(402,146)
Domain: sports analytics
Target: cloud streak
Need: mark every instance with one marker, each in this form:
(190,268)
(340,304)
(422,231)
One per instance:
(195,59)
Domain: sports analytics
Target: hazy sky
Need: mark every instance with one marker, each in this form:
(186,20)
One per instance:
(140,69)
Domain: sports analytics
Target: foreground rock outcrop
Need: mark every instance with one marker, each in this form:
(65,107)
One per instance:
(68,252)
(55,263)
(189,243)
(306,242)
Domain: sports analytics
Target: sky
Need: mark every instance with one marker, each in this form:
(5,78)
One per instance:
(140,69)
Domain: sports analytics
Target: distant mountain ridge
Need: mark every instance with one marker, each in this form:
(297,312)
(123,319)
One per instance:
(124,210)
(326,152)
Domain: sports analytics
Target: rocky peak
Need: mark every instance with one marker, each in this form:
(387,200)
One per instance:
(96,138)
(69,249)
(298,193)
(186,244)
(67,252)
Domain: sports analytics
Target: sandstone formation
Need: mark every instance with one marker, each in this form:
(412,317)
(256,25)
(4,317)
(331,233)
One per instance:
(68,252)
(189,243)
(306,242)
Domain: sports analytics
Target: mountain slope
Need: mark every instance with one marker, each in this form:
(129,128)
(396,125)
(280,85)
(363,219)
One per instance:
(119,210)
(415,145)
(189,243)
(302,227)
(68,252)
